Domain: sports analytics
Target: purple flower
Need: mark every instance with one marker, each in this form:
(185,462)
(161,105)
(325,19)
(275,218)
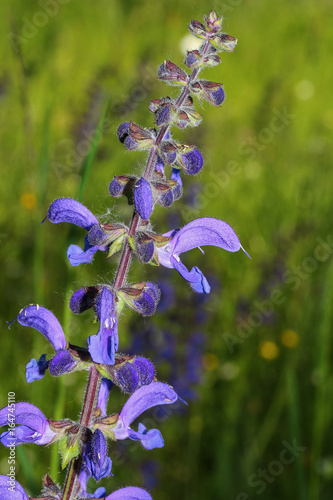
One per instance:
(102,347)
(44,321)
(27,425)
(200,232)
(103,395)
(96,461)
(129,493)
(83,480)
(142,297)
(147,303)
(143,198)
(144,398)
(11,489)
(68,210)
(192,161)
(133,374)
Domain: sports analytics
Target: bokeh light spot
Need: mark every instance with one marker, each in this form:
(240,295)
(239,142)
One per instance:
(304,90)
(290,339)
(28,200)
(268,349)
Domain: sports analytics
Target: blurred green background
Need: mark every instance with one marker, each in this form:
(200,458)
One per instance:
(266,367)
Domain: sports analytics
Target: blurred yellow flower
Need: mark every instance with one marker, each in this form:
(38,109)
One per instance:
(290,339)
(210,361)
(28,200)
(268,349)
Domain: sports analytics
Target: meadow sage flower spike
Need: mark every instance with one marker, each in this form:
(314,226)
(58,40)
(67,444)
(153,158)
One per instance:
(84,444)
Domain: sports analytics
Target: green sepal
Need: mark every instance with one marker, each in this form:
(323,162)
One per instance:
(106,425)
(116,246)
(131,242)
(70,446)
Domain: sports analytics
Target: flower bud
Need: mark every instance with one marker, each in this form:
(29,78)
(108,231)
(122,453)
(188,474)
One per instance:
(144,247)
(118,185)
(134,137)
(212,22)
(143,198)
(170,73)
(211,91)
(84,298)
(168,152)
(123,131)
(142,297)
(61,363)
(130,372)
(224,42)
(192,161)
(197,29)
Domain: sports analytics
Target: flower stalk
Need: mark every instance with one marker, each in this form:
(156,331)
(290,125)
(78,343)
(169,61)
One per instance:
(83,445)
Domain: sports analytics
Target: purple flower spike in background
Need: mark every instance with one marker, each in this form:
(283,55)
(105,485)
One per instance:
(31,426)
(44,321)
(200,232)
(11,490)
(144,398)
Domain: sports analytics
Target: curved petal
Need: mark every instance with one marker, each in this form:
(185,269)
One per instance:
(129,493)
(69,210)
(11,489)
(102,347)
(144,398)
(205,231)
(77,256)
(149,439)
(103,395)
(31,425)
(45,322)
(83,480)
(175,176)
(195,277)
(35,370)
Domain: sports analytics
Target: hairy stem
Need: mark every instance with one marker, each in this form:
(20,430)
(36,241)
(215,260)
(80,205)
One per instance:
(71,483)
(126,257)
(123,267)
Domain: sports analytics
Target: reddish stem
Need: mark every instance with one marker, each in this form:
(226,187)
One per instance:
(71,483)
